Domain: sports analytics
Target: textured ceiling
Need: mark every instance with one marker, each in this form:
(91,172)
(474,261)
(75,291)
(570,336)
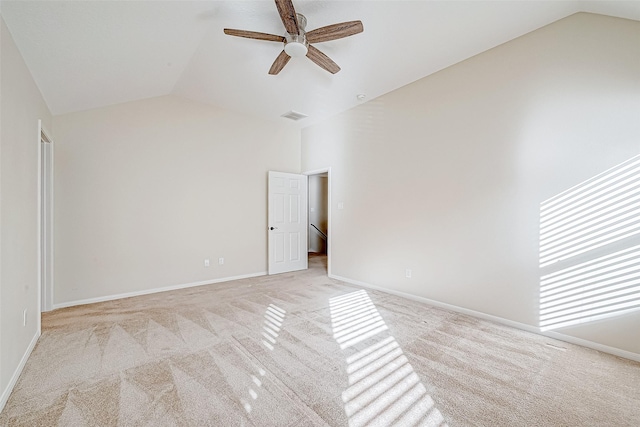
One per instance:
(88,54)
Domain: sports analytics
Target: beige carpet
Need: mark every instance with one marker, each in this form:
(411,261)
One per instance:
(300,349)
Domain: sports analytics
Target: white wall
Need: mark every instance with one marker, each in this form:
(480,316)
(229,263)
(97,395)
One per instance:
(318,212)
(457,164)
(145,191)
(21,105)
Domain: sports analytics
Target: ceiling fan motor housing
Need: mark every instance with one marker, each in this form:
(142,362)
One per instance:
(296,45)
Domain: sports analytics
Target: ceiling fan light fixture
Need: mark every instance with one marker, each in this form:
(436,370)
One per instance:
(295,49)
(297,42)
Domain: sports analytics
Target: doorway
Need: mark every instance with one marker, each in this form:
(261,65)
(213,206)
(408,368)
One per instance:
(319,217)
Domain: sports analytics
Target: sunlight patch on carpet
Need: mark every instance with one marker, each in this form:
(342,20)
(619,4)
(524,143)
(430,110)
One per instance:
(274,317)
(383,388)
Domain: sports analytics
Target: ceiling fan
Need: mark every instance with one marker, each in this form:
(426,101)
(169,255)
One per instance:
(297,41)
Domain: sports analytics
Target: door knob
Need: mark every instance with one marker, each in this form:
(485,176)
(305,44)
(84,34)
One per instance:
(272,228)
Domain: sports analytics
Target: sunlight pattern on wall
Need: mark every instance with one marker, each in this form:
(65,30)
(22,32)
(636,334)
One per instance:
(383,388)
(592,290)
(586,231)
(598,212)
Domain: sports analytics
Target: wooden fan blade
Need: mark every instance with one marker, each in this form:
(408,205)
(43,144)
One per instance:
(322,60)
(288,16)
(335,31)
(279,63)
(254,35)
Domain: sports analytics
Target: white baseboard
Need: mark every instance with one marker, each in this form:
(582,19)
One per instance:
(16,374)
(155,290)
(523,326)
(593,345)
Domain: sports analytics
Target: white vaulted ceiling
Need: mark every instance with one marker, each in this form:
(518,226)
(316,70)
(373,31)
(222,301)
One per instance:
(87,54)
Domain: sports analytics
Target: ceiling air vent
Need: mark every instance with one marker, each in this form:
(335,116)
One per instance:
(294,115)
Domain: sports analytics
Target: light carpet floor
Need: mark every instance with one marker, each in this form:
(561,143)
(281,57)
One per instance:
(300,349)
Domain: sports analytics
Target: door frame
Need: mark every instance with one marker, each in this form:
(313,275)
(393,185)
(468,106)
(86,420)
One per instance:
(45,253)
(321,171)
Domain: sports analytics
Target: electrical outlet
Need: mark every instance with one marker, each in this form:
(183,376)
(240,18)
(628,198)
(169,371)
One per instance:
(24,317)
(407,273)
(220,261)
(207,262)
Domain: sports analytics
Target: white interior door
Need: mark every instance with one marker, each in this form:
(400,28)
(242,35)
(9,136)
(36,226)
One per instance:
(287,222)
